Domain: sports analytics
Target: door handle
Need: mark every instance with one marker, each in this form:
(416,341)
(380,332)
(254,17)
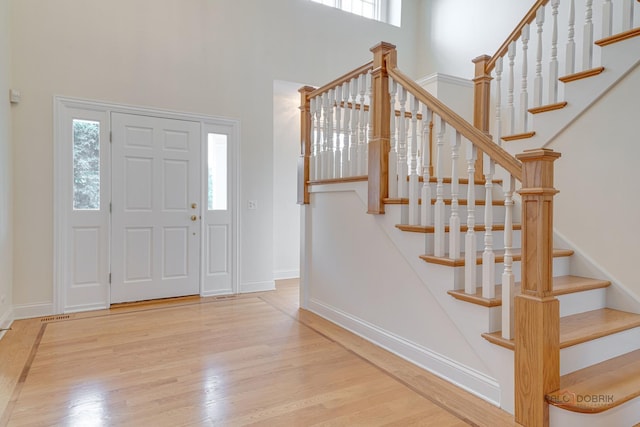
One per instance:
(194,218)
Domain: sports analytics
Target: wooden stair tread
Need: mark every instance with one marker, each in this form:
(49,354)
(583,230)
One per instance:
(461,202)
(548,107)
(562,285)
(583,327)
(612,382)
(463,227)
(619,37)
(517,136)
(581,75)
(459,262)
(338,180)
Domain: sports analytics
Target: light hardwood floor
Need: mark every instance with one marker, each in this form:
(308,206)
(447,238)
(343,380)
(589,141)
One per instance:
(252,359)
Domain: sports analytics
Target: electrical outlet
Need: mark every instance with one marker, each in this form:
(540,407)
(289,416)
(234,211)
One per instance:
(252,204)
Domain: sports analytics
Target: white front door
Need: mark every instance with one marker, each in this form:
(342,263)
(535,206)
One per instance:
(155,207)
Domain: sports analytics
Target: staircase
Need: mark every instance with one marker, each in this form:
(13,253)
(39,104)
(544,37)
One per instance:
(600,345)
(464,252)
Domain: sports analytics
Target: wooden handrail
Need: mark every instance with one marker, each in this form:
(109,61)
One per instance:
(343,79)
(466,129)
(528,18)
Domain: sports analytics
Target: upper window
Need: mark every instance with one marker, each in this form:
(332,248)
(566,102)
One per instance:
(381,10)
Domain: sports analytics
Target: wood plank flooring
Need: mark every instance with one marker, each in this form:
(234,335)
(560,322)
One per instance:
(254,359)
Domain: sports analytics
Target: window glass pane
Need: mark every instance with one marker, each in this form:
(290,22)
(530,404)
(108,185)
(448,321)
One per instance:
(86,165)
(217,166)
(367,8)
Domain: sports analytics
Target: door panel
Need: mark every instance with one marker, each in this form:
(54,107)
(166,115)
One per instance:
(155,229)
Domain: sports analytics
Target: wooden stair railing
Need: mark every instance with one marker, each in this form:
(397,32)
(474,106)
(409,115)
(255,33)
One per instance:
(539,92)
(329,133)
(334,130)
(554,39)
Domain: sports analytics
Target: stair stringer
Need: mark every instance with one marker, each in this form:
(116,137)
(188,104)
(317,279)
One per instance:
(618,60)
(483,368)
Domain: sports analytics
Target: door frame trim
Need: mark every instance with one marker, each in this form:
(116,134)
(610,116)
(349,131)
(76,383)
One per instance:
(63,196)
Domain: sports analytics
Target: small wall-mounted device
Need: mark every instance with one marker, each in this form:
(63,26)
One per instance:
(14,96)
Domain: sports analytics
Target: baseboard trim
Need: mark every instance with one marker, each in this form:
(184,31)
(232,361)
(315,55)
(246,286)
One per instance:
(468,379)
(27,311)
(6,321)
(268,285)
(286,274)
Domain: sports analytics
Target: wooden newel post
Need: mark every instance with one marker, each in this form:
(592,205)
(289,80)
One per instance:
(481,104)
(305,145)
(537,311)
(384,57)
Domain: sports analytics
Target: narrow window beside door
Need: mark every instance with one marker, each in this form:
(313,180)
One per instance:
(86,165)
(217,171)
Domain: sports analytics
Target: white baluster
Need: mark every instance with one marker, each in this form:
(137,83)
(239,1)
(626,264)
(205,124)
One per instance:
(331,149)
(355,118)
(488,256)
(571,44)
(498,127)
(346,143)
(537,84)
(454,220)
(439,214)
(319,137)
(607,18)
(511,115)
(524,95)
(337,163)
(403,169)
(508,280)
(470,237)
(587,46)
(553,65)
(414,208)
(369,126)
(314,131)
(324,155)
(362,130)
(393,153)
(426,218)
(627,15)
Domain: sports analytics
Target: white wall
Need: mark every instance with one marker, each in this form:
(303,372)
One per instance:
(6,203)
(597,207)
(286,150)
(215,57)
(461,30)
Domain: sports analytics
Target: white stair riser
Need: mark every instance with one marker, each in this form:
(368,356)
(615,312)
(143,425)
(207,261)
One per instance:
(498,214)
(498,240)
(595,351)
(479,191)
(580,302)
(560,268)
